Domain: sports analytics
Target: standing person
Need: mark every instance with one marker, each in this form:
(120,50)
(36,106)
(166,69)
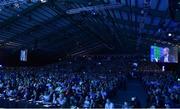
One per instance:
(109,104)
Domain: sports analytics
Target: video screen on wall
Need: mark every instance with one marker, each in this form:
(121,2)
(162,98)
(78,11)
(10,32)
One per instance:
(165,54)
(23,55)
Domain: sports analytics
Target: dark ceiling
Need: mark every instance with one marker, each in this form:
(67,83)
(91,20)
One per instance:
(47,28)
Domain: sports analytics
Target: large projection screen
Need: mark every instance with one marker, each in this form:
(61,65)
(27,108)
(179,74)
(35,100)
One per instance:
(165,54)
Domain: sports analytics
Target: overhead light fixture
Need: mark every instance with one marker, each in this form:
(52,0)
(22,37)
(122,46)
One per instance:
(169,34)
(43,1)
(94,13)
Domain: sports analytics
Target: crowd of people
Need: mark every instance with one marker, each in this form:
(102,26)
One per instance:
(85,82)
(64,85)
(64,90)
(163,89)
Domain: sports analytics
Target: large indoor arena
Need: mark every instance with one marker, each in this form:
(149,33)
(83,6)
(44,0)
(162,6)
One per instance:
(90,54)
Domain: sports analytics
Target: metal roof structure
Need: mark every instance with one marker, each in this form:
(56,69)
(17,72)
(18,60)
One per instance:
(95,25)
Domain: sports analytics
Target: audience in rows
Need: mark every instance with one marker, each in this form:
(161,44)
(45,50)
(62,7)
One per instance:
(163,89)
(87,82)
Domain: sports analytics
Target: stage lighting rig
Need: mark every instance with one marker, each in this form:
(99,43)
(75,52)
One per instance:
(93,8)
(144,13)
(10,2)
(17,3)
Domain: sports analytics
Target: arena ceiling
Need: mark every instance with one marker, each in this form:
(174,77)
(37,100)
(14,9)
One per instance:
(49,29)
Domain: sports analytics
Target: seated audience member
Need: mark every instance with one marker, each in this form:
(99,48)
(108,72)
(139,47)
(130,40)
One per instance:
(87,103)
(46,97)
(62,100)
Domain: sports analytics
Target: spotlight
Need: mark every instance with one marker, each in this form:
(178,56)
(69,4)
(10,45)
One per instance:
(169,34)
(99,63)
(94,13)
(178,79)
(43,1)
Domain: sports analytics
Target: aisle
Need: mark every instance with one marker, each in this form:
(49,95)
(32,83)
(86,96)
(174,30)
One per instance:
(134,88)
